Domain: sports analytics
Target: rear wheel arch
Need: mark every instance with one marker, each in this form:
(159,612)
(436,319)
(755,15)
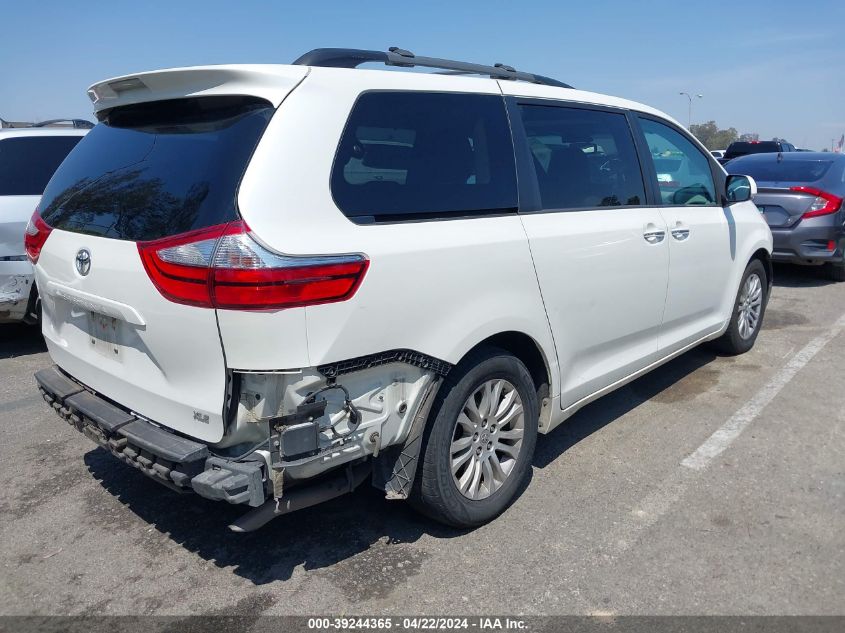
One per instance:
(436,492)
(529,352)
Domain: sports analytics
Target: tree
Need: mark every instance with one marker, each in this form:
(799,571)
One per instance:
(712,137)
(749,136)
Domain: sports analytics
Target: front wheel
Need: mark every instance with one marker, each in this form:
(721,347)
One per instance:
(748,310)
(478,446)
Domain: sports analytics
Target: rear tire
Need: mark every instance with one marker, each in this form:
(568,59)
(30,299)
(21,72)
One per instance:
(835,270)
(748,310)
(476,456)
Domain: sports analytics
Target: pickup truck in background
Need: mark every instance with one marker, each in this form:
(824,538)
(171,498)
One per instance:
(742,148)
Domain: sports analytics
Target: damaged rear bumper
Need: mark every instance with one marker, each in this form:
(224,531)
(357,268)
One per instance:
(177,462)
(322,446)
(16,281)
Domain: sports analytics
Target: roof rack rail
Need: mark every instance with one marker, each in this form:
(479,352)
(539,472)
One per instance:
(353,57)
(81,124)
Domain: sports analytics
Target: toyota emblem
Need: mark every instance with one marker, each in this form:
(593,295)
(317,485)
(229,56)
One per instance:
(83,262)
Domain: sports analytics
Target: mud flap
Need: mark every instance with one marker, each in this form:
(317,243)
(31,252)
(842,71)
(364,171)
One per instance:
(33,307)
(396,466)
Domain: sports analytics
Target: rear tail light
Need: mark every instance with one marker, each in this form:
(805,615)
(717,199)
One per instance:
(36,233)
(824,204)
(225,267)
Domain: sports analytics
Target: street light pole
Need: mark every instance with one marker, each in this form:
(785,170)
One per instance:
(689,113)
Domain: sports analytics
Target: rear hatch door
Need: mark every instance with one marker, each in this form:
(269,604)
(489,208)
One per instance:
(149,171)
(781,206)
(787,187)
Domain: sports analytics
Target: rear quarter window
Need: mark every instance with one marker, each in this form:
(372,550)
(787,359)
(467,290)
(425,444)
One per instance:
(417,155)
(28,162)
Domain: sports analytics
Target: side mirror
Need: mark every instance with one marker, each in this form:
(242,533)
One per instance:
(740,189)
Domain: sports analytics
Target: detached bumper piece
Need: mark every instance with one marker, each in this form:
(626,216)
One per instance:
(177,462)
(329,488)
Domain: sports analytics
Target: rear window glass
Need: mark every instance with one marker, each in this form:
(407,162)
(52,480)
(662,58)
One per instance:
(415,155)
(27,162)
(782,171)
(157,169)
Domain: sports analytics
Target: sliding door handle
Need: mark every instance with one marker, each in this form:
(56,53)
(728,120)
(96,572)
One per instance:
(655,236)
(680,233)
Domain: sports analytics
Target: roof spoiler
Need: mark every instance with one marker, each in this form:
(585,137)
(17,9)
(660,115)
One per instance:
(269,82)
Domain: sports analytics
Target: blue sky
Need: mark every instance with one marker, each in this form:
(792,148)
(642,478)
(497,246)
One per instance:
(776,67)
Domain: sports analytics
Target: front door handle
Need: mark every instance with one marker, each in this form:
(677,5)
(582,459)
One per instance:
(680,232)
(654,236)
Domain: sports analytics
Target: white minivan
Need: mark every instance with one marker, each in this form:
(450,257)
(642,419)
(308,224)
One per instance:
(267,284)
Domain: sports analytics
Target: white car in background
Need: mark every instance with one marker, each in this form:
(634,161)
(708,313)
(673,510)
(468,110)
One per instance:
(28,158)
(265,284)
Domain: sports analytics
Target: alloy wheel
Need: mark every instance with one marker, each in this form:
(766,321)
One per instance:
(487,439)
(750,306)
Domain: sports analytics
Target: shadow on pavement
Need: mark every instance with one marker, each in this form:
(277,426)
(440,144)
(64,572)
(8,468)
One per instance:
(20,340)
(344,528)
(314,538)
(795,276)
(605,410)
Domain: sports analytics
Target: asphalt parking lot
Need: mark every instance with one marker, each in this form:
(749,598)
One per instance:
(625,513)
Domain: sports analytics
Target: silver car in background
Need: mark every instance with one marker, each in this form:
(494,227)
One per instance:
(801,195)
(28,158)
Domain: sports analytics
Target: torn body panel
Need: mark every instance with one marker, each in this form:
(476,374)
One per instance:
(304,422)
(352,421)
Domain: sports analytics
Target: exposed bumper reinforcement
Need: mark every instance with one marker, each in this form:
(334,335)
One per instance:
(175,461)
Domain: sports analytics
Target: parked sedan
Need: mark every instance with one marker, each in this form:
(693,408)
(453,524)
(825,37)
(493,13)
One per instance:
(800,194)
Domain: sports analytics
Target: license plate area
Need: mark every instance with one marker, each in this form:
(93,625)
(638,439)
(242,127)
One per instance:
(104,335)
